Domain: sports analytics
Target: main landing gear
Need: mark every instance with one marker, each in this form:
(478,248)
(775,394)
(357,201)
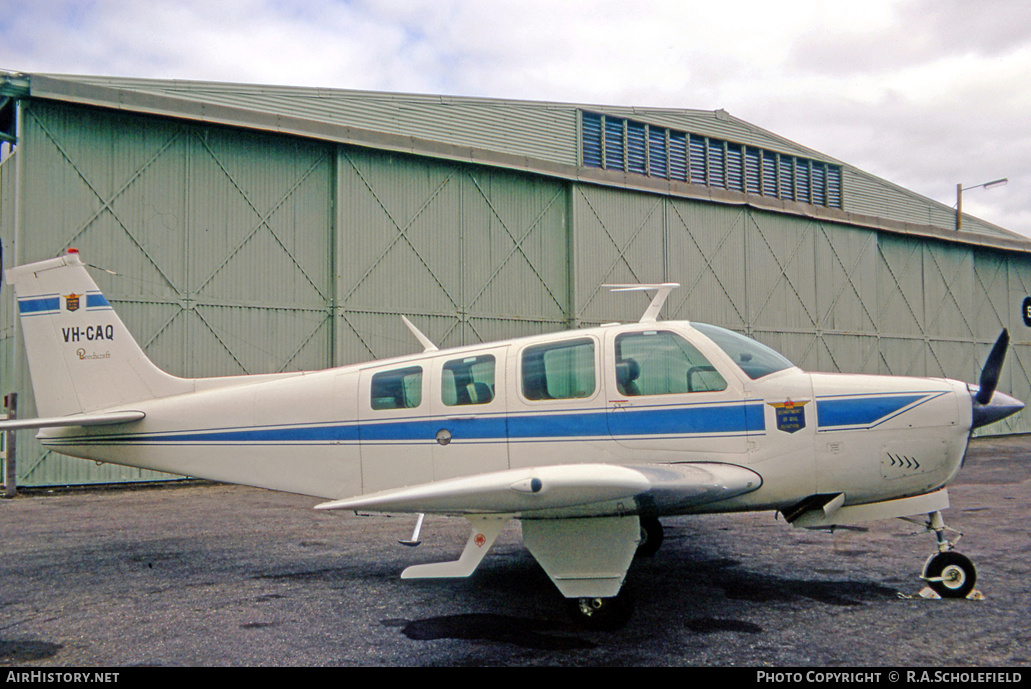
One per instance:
(610,614)
(948,573)
(602,614)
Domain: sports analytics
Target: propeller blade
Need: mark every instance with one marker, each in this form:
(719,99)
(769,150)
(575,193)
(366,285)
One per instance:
(992,368)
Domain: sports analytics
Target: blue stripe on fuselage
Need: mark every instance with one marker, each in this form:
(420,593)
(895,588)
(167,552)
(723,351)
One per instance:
(730,419)
(727,419)
(865,412)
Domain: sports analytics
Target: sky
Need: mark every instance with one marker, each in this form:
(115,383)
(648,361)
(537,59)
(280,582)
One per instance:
(927,94)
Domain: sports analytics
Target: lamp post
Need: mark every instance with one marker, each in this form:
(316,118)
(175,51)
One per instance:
(959,196)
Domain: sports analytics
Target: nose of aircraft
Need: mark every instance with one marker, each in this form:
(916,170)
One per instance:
(998,407)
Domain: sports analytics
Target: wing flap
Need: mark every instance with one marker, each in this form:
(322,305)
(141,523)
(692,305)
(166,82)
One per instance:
(570,488)
(691,486)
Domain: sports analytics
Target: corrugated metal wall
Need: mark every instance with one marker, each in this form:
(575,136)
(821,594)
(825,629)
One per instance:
(830,297)
(218,239)
(239,252)
(470,254)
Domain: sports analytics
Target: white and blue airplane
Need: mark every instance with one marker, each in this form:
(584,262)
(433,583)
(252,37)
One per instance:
(587,437)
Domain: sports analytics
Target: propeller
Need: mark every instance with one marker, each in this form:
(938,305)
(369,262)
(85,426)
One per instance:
(988,405)
(992,368)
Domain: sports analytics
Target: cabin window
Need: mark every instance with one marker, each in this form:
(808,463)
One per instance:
(662,363)
(397,389)
(560,370)
(468,381)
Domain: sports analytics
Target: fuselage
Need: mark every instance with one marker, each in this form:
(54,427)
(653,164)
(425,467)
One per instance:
(646,393)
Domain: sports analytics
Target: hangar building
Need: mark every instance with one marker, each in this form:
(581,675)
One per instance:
(246,229)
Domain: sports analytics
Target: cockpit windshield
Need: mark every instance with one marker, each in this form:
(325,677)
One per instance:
(756,360)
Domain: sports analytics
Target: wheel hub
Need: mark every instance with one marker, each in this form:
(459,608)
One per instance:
(590,606)
(953,577)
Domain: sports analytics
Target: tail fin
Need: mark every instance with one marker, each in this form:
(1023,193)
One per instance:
(81,357)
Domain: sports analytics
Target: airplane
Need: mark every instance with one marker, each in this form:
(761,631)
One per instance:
(586,437)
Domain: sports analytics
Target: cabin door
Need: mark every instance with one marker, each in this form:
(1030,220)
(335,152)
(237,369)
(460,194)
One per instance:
(468,431)
(668,402)
(394,429)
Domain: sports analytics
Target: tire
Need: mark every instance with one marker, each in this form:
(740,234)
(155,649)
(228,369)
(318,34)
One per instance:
(651,537)
(953,575)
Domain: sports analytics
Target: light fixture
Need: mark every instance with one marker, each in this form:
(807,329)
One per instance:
(959,196)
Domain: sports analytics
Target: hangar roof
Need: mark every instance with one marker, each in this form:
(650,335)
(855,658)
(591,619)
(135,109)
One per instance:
(546,138)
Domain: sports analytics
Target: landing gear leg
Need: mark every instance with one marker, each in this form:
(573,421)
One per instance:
(948,573)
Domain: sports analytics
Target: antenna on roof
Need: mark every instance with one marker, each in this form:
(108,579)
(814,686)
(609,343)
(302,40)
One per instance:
(426,343)
(651,314)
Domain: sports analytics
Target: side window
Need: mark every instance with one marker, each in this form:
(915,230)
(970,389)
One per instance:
(560,370)
(662,363)
(398,389)
(468,381)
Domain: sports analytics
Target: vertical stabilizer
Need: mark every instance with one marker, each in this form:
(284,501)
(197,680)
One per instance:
(81,356)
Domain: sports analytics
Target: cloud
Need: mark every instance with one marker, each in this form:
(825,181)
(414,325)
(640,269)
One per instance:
(925,93)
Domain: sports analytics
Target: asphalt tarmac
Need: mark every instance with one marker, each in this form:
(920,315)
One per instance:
(201,574)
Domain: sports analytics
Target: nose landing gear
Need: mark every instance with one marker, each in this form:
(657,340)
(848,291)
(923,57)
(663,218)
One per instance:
(948,573)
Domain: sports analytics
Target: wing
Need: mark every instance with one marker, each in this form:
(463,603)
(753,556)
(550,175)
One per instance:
(566,490)
(101,419)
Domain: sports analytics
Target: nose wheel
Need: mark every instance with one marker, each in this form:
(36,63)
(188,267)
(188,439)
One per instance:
(948,573)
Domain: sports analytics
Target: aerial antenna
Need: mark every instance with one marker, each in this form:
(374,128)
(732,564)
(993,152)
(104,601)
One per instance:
(427,344)
(651,314)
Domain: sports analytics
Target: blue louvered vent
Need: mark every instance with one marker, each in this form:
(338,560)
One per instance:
(636,155)
(699,170)
(717,168)
(616,143)
(833,186)
(769,174)
(614,158)
(753,170)
(786,165)
(678,156)
(803,192)
(591,132)
(735,168)
(658,160)
(819,185)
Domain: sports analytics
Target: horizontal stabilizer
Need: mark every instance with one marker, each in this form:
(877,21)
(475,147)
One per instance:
(73,420)
(536,490)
